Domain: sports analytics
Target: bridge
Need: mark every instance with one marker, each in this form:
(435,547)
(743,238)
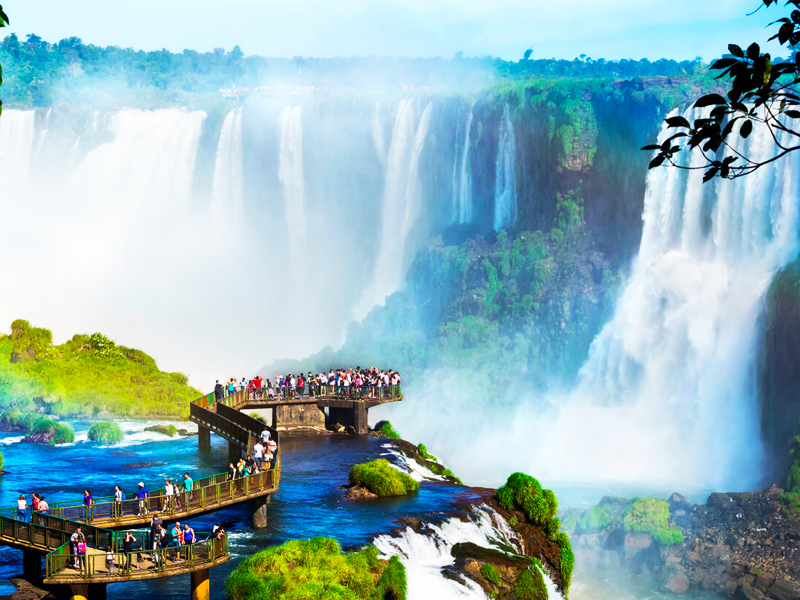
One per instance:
(105,523)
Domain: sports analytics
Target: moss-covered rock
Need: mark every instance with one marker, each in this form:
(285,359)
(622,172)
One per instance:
(106,433)
(169,430)
(61,433)
(385,429)
(317,569)
(530,585)
(380,478)
(651,516)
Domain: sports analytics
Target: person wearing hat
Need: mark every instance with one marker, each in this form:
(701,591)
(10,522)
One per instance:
(143,496)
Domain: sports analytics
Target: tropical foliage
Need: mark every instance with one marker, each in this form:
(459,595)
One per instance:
(381,478)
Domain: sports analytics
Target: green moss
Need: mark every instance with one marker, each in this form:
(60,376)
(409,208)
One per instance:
(316,569)
(651,516)
(62,432)
(490,574)
(530,585)
(379,477)
(385,429)
(525,493)
(106,433)
(567,561)
(423,450)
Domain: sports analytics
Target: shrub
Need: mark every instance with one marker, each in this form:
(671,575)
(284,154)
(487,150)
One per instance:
(530,585)
(593,520)
(2,461)
(385,429)
(552,528)
(525,493)
(651,516)
(106,433)
(379,477)
(490,574)
(62,432)
(316,568)
(424,452)
(567,560)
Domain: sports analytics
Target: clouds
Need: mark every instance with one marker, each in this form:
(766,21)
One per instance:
(609,29)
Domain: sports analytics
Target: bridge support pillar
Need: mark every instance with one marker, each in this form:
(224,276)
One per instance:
(234,452)
(203,438)
(84,591)
(200,584)
(259,508)
(360,418)
(32,565)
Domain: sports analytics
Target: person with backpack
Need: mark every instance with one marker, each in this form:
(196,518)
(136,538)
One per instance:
(218,391)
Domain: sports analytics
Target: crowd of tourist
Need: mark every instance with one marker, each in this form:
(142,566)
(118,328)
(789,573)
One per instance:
(364,382)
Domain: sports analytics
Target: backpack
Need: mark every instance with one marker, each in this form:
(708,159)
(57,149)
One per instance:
(123,496)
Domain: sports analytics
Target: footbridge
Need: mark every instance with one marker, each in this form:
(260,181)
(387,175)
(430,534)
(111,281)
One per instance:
(105,523)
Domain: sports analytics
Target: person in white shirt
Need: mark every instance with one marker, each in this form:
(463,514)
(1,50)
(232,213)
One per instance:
(169,492)
(258,454)
(22,508)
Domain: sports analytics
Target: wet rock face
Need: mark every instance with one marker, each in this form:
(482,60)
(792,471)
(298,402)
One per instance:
(744,546)
(39,438)
(359,493)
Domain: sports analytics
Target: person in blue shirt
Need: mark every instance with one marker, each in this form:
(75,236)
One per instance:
(143,496)
(87,504)
(187,487)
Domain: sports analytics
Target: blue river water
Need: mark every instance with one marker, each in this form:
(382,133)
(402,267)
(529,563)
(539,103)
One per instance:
(309,503)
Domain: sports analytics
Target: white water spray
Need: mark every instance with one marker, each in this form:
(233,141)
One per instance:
(462,177)
(226,191)
(402,204)
(290,174)
(17,134)
(505,193)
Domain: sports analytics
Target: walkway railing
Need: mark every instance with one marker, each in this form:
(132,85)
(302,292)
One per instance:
(48,532)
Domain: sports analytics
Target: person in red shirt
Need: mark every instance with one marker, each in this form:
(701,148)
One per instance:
(257,383)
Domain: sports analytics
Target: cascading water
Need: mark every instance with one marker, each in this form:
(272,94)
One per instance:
(401,204)
(17,134)
(505,194)
(291,176)
(377,133)
(226,191)
(462,179)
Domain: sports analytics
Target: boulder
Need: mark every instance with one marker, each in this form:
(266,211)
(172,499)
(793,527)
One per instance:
(359,493)
(39,438)
(784,590)
(745,592)
(677,583)
(678,501)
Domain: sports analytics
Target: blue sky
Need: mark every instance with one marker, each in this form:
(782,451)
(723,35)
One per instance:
(610,29)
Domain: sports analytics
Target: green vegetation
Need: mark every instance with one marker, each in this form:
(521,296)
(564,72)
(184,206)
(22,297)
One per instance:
(423,450)
(317,569)
(62,432)
(385,429)
(567,560)
(651,516)
(3,23)
(2,459)
(525,493)
(594,520)
(380,478)
(87,375)
(490,574)
(106,433)
(530,585)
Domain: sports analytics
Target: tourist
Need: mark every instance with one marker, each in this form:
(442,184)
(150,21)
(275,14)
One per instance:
(109,561)
(264,436)
(231,386)
(127,547)
(242,385)
(22,508)
(87,505)
(169,496)
(240,468)
(188,540)
(119,496)
(75,541)
(258,384)
(187,488)
(43,506)
(231,472)
(155,529)
(301,382)
(143,499)
(218,391)
(258,454)
(34,504)
(249,463)
(270,391)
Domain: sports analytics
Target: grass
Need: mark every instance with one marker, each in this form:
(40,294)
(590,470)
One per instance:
(315,569)
(385,429)
(380,478)
(86,376)
(62,432)
(651,516)
(106,433)
(530,585)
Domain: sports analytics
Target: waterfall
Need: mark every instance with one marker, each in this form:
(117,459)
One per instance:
(226,191)
(426,552)
(505,195)
(377,133)
(17,134)
(462,177)
(401,208)
(290,173)
(668,390)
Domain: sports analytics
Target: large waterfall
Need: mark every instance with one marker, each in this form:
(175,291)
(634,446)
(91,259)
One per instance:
(291,177)
(505,195)
(226,193)
(17,134)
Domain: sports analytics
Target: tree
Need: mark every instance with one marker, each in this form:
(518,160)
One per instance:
(761,94)
(527,54)
(3,22)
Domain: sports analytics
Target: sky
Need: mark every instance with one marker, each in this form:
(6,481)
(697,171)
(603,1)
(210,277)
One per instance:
(610,29)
